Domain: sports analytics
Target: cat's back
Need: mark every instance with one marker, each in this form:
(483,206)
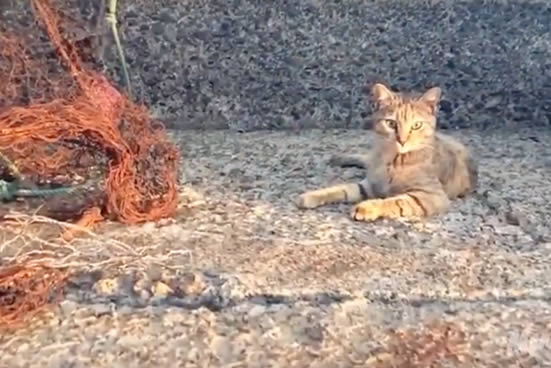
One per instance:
(457,169)
(448,145)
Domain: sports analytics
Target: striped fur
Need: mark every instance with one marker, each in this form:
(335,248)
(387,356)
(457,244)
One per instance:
(412,171)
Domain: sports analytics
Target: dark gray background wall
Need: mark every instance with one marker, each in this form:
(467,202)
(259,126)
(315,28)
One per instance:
(247,64)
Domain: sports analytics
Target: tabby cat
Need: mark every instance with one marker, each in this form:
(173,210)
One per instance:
(412,170)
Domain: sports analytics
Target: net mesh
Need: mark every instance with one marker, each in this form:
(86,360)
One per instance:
(25,289)
(62,122)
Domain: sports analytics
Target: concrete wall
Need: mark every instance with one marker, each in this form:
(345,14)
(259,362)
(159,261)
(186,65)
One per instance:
(247,64)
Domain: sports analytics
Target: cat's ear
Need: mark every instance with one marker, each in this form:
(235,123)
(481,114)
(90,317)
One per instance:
(381,95)
(432,98)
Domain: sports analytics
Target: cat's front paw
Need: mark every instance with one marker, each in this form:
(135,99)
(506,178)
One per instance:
(369,210)
(307,201)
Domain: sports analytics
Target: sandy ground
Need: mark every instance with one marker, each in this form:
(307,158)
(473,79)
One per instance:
(241,278)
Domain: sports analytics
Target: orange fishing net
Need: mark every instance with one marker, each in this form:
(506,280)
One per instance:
(25,289)
(62,122)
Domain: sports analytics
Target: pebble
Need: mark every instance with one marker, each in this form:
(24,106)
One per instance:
(68,306)
(23,348)
(222,349)
(85,280)
(160,289)
(193,284)
(130,341)
(100,309)
(126,310)
(257,311)
(106,286)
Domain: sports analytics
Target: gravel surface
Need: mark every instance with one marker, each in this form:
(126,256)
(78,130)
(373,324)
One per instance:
(241,278)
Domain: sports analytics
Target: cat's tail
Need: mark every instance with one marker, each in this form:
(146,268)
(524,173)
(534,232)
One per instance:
(358,161)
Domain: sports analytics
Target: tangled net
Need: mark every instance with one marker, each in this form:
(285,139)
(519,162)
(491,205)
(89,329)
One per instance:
(61,123)
(61,128)
(25,289)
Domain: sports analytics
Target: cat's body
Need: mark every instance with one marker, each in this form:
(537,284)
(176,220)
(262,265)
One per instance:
(412,171)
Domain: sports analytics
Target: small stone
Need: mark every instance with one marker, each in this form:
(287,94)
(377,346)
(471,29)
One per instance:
(23,348)
(149,227)
(173,230)
(314,332)
(166,16)
(233,170)
(158,28)
(257,311)
(67,306)
(142,284)
(446,106)
(161,289)
(126,283)
(193,284)
(100,309)
(173,317)
(222,348)
(85,280)
(511,218)
(154,272)
(125,310)
(130,341)
(144,294)
(106,286)
(143,288)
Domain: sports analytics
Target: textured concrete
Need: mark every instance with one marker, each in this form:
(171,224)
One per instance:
(248,64)
(241,278)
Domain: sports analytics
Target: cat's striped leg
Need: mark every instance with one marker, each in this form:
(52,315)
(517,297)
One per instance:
(410,205)
(348,193)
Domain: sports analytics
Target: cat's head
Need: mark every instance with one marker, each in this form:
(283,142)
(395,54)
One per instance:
(404,120)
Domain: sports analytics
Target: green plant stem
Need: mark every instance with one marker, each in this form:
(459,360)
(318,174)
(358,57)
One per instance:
(111,17)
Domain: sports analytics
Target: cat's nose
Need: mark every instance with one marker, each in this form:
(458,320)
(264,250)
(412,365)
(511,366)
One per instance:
(402,137)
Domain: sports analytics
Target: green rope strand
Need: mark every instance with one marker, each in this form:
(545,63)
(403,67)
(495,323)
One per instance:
(11,190)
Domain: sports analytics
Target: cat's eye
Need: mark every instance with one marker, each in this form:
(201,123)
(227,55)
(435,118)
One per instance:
(417,125)
(392,124)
